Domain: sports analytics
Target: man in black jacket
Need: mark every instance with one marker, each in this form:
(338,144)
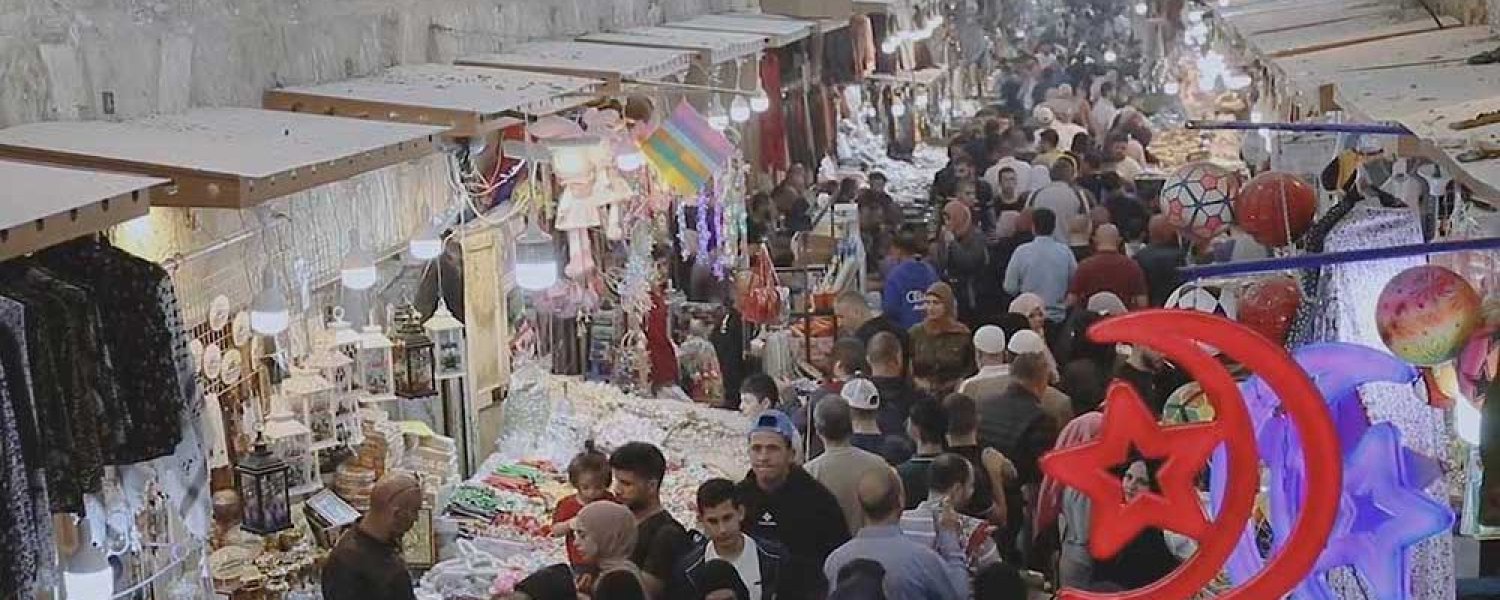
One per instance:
(759,562)
(783,503)
(1015,424)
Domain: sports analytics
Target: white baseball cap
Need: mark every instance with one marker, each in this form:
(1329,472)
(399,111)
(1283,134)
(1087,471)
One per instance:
(1026,341)
(861,394)
(989,339)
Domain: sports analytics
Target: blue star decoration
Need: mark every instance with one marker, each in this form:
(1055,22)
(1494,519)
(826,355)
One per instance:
(1383,513)
(1128,424)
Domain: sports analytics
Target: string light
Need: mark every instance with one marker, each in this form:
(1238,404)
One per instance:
(1110,56)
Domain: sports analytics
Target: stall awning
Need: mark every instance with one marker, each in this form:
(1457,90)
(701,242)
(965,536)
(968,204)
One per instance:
(42,205)
(820,25)
(469,101)
(713,47)
(224,157)
(782,31)
(926,77)
(1311,71)
(608,62)
(1295,30)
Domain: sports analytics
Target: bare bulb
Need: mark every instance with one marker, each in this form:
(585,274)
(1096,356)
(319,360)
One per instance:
(1141,9)
(739,109)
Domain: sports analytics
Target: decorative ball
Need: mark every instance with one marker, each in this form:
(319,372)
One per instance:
(1272,204)
(1426,314)
(1198,199)
(1217,298)
(1268,305)
(1479,364)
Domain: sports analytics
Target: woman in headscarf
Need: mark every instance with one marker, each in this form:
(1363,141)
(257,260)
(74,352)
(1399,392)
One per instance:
(605,533)
(942,353)
(961,258)
(1146,558)
(1034,308)
(1069,509)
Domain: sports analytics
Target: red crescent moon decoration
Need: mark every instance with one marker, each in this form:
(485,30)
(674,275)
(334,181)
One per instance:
(1176,334)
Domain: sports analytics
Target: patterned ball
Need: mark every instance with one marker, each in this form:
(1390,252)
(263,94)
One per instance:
(1198,199)
(1215,298)
(1268,305)
(1426,314)
(1272,204)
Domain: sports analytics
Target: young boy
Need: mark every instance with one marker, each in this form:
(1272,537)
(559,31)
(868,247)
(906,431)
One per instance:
(589,474)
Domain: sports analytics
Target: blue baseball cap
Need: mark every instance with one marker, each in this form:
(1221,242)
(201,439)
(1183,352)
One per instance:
(775,421)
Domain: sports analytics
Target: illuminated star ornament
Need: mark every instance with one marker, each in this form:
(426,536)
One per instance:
(1383,513)
(1129,424)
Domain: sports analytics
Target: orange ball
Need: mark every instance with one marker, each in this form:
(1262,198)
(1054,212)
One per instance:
(1269,201)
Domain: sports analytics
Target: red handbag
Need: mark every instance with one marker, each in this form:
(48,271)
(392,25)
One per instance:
(760,302)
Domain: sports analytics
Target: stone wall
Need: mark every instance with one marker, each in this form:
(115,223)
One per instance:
(86,59)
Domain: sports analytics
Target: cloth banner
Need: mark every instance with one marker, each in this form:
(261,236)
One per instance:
(686,151)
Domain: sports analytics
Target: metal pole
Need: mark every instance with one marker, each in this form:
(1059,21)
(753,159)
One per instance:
(1369,128)
(1313,261)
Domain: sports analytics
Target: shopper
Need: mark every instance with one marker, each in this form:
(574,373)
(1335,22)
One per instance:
(1117,157)
(856,319)
(589,474)
(1055,404)
(842,464)
(782,502)
(861,579)
(863,400)
(639,469)
(928,426)
(950,482)
(1000,581)
(912,570)
(897,394)
(366,563)
(550,583)
(1069,509)
(991,467)
(756,563)
(1008,177)
(1102,117)
(962,258)
(1069,204)
(618,585)
(1108,270)
(1160,260)
(848,358)
(1143,560)
(907,282)
(1044,267)
(1145,370)
(989,353)
(1047,152)
(1015,425)
(940,346)
(607,535)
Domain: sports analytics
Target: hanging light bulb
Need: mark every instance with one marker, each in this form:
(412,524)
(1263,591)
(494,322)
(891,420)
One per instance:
(1141,9)
(1020,34)
(759,101)
(1195,16)
(935,21)
(628,157)
(1110,56)
(427,244)
(921,100)
(1237,81)
(268,312)
(536,259)
(945,105)
(717,116)
(1171,88)
(898,108)
(88,574)
(358,270)
(739,109)
(889,45)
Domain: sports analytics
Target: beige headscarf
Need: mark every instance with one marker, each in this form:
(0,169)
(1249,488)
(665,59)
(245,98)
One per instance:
(610,529)
(949,322)
(1027,302)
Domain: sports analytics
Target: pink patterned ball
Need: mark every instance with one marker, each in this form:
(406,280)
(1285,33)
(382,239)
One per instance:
(1426,314)
(1198,199)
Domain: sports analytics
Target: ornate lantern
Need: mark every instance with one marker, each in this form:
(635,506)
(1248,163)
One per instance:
(292,440)
(314,396)
(374,364)
(264,484)
(345,338)
(447,335)
(338,370)
(413,356)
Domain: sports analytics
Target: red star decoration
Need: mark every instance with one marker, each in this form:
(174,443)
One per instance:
(1088,468)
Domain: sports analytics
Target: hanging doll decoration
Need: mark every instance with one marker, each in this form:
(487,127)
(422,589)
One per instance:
(611,190)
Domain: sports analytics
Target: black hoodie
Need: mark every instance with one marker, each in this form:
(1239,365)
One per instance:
(801,515)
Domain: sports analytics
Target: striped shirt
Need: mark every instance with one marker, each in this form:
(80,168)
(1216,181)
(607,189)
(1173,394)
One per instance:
(920,525)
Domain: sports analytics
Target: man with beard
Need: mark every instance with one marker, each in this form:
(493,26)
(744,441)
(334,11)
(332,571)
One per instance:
(783,502)
(661,541)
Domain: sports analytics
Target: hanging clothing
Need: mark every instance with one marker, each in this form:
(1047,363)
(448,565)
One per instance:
(839,57)
(862,35)
(659,342)
(773,154)
(25,519)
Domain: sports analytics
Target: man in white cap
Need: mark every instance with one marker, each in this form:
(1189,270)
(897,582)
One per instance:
(1066,130)
(1053,402)
(842,464)
(989,352)
(863,399)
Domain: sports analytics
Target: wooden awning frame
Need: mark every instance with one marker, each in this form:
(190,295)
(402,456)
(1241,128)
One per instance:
(531,57)
(44,205)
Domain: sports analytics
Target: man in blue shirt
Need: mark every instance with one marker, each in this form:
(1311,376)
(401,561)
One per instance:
(907,282)
(913,571)
(1043,266)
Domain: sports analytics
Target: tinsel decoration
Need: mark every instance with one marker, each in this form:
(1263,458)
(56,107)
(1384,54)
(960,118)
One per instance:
(682,237)
(705,236)
(633,282)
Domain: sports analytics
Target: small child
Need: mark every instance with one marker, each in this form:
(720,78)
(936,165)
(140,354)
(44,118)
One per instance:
(589,474)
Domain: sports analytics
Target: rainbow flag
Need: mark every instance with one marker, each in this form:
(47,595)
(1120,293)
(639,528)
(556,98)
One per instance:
(686,151)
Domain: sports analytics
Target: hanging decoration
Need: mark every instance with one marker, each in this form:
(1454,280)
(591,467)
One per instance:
(1426,314)
(263,481)
(412,356)
(1197,199)
(1276,208)
(1479,364)
(1269,304)
(686,150)
(575,163)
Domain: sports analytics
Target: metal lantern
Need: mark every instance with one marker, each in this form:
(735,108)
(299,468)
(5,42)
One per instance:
(338,370)
(447,335)
(413,356)
(314,396)
(345,338)
(374,364)
(292,440)
(264,485)
(536,259)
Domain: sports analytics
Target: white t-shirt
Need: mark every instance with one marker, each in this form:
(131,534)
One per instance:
(747,564)
(1127,169)
(1067,203)
(1022,169)
(1066,132)
(1103,116)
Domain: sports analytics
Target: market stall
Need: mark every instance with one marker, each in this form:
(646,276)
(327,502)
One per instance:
(615,65)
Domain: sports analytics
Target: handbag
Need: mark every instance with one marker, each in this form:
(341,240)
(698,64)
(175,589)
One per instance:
(760,301)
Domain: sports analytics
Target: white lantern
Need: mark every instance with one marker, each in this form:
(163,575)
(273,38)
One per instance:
(759,101)
(87,574)
(921,100)
(427,243)
(290,439)
(345,338)
(898,108)
(1110,56)
(447,334)
(338,370)
(375,365)
(1141,9)
(314,396)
